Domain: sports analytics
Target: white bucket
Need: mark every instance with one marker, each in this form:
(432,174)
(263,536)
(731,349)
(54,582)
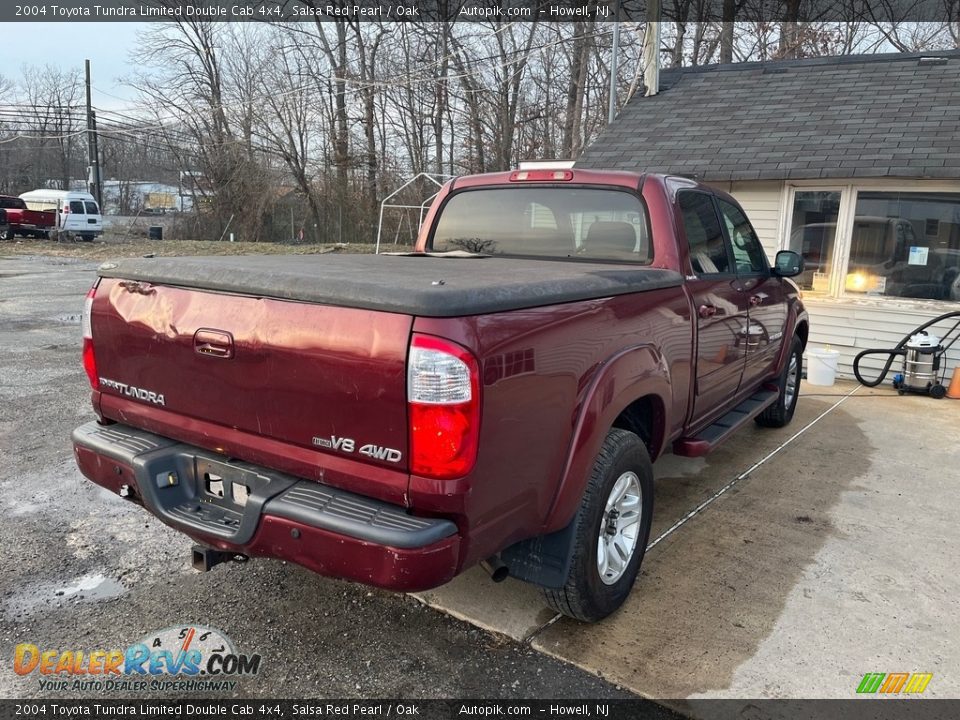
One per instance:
(822,366)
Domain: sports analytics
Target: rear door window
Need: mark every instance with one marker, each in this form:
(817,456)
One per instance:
(76,206)
(92,208)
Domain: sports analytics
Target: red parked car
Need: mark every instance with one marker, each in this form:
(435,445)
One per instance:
(496,396)
(24,222)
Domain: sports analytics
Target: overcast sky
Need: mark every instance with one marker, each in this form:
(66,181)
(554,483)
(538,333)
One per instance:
(106,45)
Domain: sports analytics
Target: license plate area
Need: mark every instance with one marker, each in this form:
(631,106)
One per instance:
(224,485)
(215,497)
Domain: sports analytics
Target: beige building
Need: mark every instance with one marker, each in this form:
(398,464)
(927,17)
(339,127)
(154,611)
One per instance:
(852,161)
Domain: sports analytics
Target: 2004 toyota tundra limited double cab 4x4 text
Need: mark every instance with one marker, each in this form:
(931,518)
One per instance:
(496,396)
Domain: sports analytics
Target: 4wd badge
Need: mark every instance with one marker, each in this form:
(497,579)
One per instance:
(349,445)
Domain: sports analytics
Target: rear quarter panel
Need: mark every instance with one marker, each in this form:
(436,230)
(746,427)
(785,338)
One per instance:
(548,401)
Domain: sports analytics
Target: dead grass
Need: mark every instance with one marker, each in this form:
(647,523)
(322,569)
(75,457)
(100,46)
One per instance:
(106,249)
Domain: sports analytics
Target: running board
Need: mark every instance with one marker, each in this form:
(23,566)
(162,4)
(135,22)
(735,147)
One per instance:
(712,435)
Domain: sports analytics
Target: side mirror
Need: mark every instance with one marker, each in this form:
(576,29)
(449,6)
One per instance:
(788,264)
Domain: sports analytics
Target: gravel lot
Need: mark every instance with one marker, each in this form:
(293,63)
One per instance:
(84,570)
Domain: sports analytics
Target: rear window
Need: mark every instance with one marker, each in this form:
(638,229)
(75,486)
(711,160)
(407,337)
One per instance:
(583,223)
(76,206)
(9,203)
(92,208)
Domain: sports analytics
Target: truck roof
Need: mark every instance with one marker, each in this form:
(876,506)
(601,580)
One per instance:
(588,177)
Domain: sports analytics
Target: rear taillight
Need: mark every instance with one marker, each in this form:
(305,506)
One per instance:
(89,362)
(443,392)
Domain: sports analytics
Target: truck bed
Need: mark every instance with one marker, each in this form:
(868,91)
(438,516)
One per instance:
(421,285)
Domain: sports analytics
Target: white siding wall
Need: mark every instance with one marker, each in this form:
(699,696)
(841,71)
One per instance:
(850,326)
(761,201)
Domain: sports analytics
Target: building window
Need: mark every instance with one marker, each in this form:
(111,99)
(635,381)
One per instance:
(892,244)
(814,233)
(905,245)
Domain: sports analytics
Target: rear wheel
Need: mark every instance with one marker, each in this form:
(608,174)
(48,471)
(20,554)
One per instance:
(8,234)
(87,237)
(611,531)
(781,412)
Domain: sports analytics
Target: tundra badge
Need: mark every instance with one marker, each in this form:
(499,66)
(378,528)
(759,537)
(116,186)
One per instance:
(135,392)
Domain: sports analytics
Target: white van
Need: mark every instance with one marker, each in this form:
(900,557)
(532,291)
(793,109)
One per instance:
(77,212)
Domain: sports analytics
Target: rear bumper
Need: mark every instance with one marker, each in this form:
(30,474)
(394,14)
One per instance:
(243,508)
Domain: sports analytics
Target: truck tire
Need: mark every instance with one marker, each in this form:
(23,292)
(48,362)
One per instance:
(87,237)
(781,412)
(611,530)
(8,234)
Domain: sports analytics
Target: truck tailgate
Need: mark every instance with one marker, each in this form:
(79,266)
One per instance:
(303,374)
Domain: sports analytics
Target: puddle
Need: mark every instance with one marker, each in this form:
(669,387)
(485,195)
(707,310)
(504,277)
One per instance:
(92,587)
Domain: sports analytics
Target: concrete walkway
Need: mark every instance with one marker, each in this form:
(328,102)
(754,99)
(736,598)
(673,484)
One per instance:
(835,557)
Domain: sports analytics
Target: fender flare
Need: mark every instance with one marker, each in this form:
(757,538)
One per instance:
(632,373)
(641,371)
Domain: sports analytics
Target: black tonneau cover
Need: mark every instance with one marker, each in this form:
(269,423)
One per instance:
(412,285)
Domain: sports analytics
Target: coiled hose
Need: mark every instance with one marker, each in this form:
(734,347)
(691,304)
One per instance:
(898,350)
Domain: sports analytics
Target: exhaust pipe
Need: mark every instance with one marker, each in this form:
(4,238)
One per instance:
(495,568)
(206,558)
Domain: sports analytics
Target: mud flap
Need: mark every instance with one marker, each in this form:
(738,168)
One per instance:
(543,560)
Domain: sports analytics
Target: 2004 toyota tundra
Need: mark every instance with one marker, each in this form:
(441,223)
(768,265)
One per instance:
(496,396)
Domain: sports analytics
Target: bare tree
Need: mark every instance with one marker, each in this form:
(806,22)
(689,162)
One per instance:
(51,98)
(201,82)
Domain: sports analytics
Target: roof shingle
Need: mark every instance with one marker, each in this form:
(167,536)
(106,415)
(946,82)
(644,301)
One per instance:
(866,115)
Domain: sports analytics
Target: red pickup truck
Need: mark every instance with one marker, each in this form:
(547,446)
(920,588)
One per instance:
(24,222)
(496,396)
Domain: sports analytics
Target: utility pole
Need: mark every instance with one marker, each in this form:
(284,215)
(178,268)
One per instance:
(93,151)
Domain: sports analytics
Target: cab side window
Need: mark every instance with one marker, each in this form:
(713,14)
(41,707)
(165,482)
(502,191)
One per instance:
(747,250)
(708,249)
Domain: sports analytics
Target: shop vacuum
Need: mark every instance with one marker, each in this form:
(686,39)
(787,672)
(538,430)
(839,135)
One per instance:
(923,367)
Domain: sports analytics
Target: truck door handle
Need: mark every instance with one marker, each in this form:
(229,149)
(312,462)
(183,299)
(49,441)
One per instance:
(755,300)
(707,311)
(214,343)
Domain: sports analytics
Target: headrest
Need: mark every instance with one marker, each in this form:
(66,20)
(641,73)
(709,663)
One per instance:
(605,236)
